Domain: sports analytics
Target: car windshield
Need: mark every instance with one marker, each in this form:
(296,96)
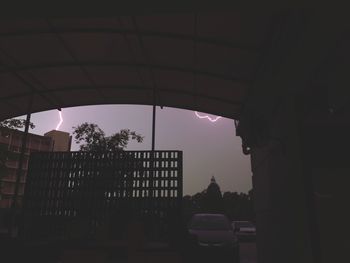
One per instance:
(209,223)
(243,224)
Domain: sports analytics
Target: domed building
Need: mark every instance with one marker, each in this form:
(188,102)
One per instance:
(213,198)
(213,189)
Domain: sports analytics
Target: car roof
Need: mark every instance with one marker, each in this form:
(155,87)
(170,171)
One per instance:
(218,215)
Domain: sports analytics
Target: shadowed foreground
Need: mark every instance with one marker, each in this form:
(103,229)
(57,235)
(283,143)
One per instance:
(90,252)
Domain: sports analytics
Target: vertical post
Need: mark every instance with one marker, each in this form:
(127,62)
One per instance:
(152,174)
(303,129)
(153,154)
(153,127)
(19,174)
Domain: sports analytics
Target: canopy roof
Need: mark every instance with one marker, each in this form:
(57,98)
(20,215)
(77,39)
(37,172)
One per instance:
(204,61)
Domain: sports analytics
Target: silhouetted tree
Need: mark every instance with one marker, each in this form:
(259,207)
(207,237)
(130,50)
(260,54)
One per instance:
(93,138)
(237,206)
(187,207)
(231,202)
(199,201)
(15,124)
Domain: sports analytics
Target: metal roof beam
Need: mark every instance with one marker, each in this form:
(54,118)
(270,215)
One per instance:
(116,87)
(141,33)
(131,51)
(123,64)
(74,57)
(27,83)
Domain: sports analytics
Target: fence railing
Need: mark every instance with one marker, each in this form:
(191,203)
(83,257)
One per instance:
(65,188)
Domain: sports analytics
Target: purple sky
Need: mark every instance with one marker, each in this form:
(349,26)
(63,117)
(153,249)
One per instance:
(208,148)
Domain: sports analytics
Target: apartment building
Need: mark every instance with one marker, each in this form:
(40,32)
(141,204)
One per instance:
(12,140)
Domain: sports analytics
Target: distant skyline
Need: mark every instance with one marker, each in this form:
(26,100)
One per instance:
(210,148)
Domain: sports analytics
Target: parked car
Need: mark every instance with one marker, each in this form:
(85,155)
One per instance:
(245,230)
(214,233)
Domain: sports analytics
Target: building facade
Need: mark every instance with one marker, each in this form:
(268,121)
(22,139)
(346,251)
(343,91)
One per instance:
(12,141)
(61,141)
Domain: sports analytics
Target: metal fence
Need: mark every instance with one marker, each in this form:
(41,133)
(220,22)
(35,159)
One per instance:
(64,189)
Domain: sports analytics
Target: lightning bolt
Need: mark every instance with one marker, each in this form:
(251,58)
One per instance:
(207,117)
(61,120)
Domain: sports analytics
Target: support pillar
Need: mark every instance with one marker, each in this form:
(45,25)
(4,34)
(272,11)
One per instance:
(300,184)
(279,192)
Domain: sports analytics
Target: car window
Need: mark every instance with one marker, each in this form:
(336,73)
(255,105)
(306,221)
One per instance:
(209,223)
(243,224)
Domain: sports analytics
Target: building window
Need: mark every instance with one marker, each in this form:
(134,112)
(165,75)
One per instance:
(5,134)
(36,142)
(7,188)
(14,148)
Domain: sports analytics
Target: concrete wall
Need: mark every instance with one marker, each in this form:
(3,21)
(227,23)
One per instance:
(279,194)
(301,178)
(328,163)
(297,158)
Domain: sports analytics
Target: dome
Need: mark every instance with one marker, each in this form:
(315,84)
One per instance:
(213,188)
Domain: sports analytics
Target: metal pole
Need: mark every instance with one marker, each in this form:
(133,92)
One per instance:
(153,127)
(19,173)
(152,153)
(152,174)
